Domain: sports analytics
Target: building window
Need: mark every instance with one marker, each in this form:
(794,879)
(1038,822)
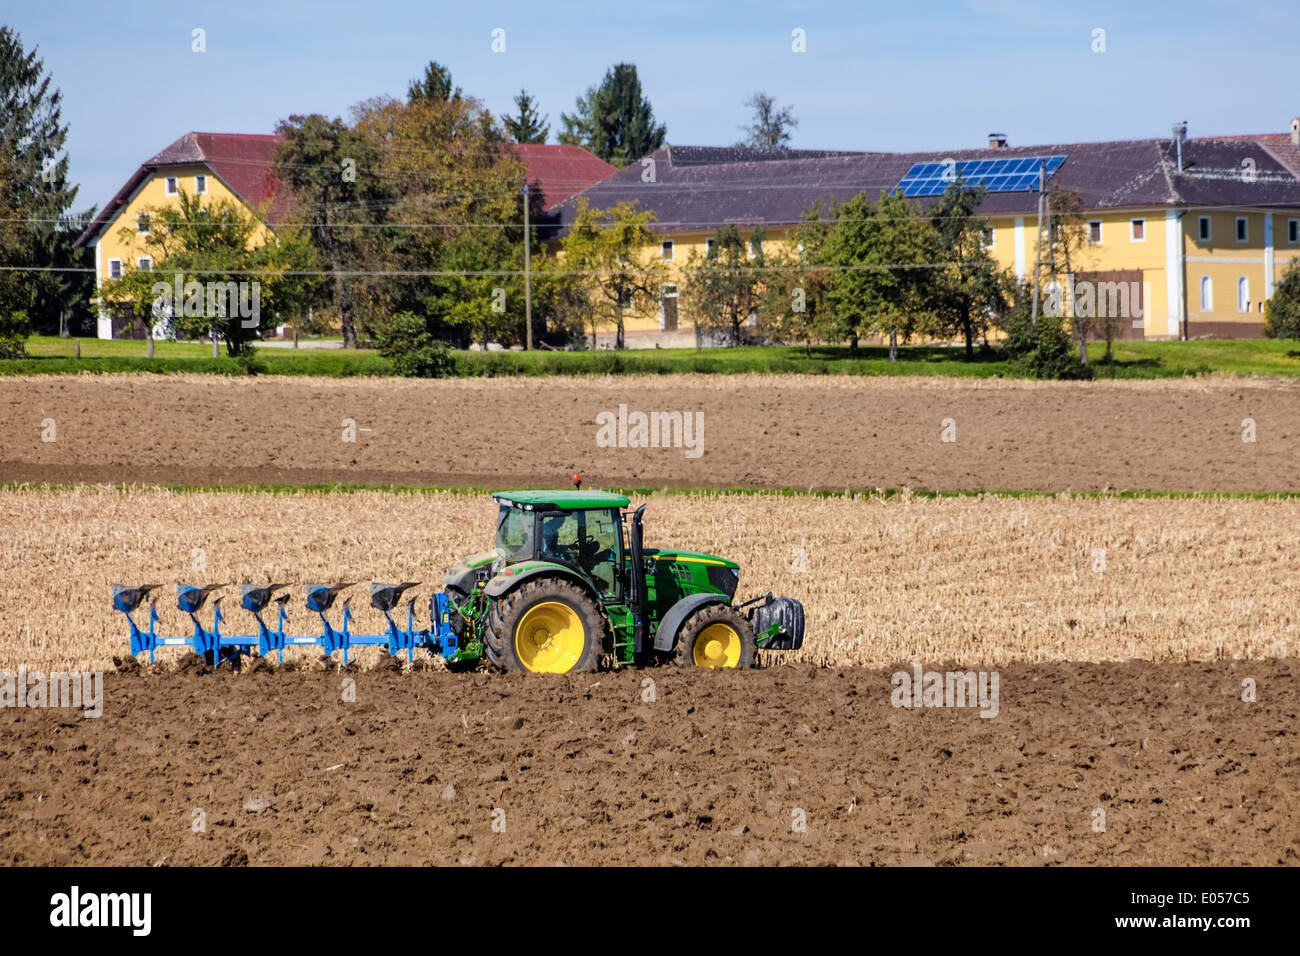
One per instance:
(1243,229)
(142,223)
(666,250)
(625,300)
(709,244)
(986,237)
(171,185)
(755,249)
(144,264)
(1203,229)
(1138,230)
(115,268)
(200,185)
(1293,230)
(1243,294)
(1094,232)
(1207,294)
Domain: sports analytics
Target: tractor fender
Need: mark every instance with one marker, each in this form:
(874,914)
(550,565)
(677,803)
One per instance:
(671,623)
(510,578)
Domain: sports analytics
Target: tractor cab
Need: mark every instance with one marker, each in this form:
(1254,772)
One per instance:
(581,530)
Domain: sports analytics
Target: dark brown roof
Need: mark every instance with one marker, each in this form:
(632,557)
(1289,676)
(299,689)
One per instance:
(702,187)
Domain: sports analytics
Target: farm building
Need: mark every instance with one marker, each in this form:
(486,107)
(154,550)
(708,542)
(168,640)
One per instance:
(1201,228)
(240,167)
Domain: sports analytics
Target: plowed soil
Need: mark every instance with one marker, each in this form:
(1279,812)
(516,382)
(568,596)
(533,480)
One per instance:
(719,767)
(759,431)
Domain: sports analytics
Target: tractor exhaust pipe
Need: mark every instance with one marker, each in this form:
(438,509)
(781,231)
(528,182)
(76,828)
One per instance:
(637,577)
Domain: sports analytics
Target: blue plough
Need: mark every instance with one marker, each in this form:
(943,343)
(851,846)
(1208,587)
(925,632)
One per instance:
(214,647)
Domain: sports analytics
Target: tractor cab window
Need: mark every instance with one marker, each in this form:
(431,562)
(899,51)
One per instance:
(515,533)
(588,540)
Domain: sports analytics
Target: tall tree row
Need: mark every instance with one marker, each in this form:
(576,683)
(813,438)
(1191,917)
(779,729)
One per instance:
(614,119)
(35,197)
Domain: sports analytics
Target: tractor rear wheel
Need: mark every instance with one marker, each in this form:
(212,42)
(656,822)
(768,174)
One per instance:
(546,626)
(715,636)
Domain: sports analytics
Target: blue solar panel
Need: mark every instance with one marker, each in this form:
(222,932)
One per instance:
(995,175)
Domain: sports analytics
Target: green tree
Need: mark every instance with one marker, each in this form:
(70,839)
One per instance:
(614,120)
(1065,241)
(527,125)
(451,240)
(405,339)
(769,128)
(231,284)
(435,85)
(878,253)
(1042,347)
(797,306)
(966,290)
(34,192)
(606,247)
(727,287)
(333,173)
(62,303)
(1282,313)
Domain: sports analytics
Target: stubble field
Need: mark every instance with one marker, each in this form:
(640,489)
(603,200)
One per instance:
(985,579)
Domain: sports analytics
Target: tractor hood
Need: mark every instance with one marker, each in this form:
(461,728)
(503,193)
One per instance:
(688,557)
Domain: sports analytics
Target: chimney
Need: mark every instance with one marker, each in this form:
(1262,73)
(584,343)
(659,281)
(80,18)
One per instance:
(1180,134)
(999,140)
(1295,131)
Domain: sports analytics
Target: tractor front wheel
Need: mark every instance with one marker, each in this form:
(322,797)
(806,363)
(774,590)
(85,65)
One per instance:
(546,626)
(715,636)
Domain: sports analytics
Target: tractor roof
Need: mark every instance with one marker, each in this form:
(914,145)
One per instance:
(567,499)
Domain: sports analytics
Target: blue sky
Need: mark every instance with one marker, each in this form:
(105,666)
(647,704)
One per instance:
(890,76)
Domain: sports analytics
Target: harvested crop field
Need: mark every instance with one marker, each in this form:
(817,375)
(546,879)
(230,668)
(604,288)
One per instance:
(975,579)
(718,768)
(759,431)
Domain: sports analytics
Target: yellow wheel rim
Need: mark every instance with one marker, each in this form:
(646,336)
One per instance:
(718,645)
(550,638)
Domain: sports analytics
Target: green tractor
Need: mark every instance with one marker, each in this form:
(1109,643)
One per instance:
(570,586)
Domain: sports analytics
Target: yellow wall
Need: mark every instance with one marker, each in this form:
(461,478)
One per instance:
(1225,261)
(645,317)
(119,239)
(1222,258)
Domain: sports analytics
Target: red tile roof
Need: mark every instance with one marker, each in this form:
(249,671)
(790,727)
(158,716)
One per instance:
(245,163)
(562,171)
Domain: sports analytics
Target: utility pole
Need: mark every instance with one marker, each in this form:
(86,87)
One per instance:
(1038,250)
(528,277)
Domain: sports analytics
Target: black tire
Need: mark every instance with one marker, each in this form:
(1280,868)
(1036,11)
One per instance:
(509,611)
(493,643)
(695,625)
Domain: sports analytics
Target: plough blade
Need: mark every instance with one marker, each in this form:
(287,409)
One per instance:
(127,599)
(255,598)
